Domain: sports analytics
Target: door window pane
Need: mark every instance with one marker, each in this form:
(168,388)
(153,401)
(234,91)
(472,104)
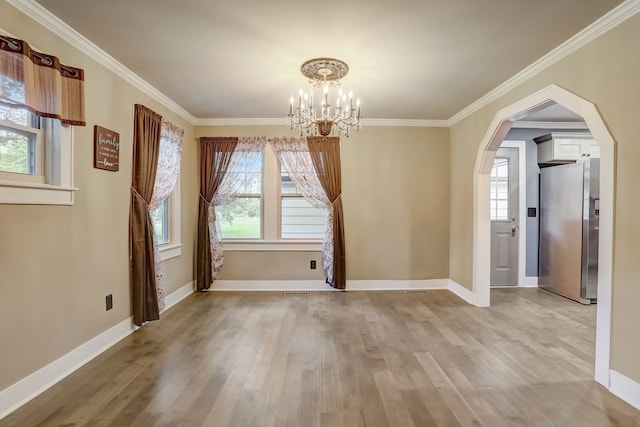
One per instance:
(499,190)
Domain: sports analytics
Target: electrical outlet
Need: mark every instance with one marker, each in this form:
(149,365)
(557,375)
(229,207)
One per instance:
(109,302)
(313,264)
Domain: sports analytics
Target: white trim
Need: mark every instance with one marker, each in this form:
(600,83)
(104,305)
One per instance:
(242,122)
(34,193)
(549,125)
(178,295)
(522,205)
(625,388)
(481,225)
(607,22)
(169,250)
(396,285)
(406,122)
(270,285)
(320,285)
(16,395)
(463,292)
(530,282)
(284,122)
(31,386)
(54,24)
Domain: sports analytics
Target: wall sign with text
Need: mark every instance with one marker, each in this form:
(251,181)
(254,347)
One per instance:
(106,151)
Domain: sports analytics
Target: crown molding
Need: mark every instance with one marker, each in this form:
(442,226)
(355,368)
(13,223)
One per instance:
(548,125)
(285,122)
(51,22)
(242,122)
(607,22)
(405,122)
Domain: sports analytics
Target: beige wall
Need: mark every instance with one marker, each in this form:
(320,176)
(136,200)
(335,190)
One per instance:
(396,206)
(57,263)
(606,72)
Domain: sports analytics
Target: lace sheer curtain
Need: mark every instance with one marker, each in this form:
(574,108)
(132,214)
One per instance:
(295,159)
(169,156)
(246,162)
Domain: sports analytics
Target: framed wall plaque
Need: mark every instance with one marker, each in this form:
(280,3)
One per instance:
(106,149)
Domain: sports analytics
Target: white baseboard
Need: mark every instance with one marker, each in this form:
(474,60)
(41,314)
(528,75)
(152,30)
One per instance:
(529,282)
(270,285)
(178,295)
(625,388)
(29,387)
(319,285)
(463,292)
(396,285)
(16,395)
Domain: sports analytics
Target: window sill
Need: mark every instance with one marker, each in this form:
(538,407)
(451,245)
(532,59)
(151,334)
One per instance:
(31,193)
(273,245)
(170,250)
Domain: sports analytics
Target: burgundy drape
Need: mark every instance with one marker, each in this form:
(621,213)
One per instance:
(146,146)
(215,157)
(40,83)
(325,154)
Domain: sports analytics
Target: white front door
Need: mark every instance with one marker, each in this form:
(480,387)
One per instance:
(504,218)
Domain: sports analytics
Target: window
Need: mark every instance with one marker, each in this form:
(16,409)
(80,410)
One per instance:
(270,214)
(19,136)
(499,200)
(37,153)
(35,159)
(298,218)
(242,217)
(160,219)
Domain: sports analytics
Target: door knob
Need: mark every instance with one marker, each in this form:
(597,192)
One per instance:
(513,230)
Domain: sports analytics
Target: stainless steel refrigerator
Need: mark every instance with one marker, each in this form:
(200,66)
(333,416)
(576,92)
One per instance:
(569,224)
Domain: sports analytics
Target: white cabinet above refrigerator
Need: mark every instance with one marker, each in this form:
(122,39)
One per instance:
(557,148)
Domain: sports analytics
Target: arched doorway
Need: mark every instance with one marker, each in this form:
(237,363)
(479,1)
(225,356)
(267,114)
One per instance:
(481,227)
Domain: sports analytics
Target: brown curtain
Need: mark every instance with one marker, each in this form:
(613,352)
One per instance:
(146,146)
(215,156)
(38,82)
(325,154)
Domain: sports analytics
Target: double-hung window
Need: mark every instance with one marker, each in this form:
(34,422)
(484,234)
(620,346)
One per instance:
(160,218)
(267,212)
(20,138)
(240,215)
(36,150)
(298,218)
(165,202)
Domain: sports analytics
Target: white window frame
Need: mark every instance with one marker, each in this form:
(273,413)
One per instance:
(35,158)
(271,240)
(173,248)
(31,189)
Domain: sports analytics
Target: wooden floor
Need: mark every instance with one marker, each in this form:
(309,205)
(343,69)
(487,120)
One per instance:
(344,359)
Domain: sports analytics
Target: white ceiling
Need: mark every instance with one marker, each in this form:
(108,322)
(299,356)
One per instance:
(408,59)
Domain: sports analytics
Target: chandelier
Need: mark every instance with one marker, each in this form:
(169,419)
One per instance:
(324,75)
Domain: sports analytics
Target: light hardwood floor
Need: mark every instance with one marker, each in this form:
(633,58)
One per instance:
(344,359)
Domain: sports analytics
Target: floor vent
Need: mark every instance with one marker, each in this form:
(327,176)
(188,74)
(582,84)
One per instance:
(296,293)
(417,291)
